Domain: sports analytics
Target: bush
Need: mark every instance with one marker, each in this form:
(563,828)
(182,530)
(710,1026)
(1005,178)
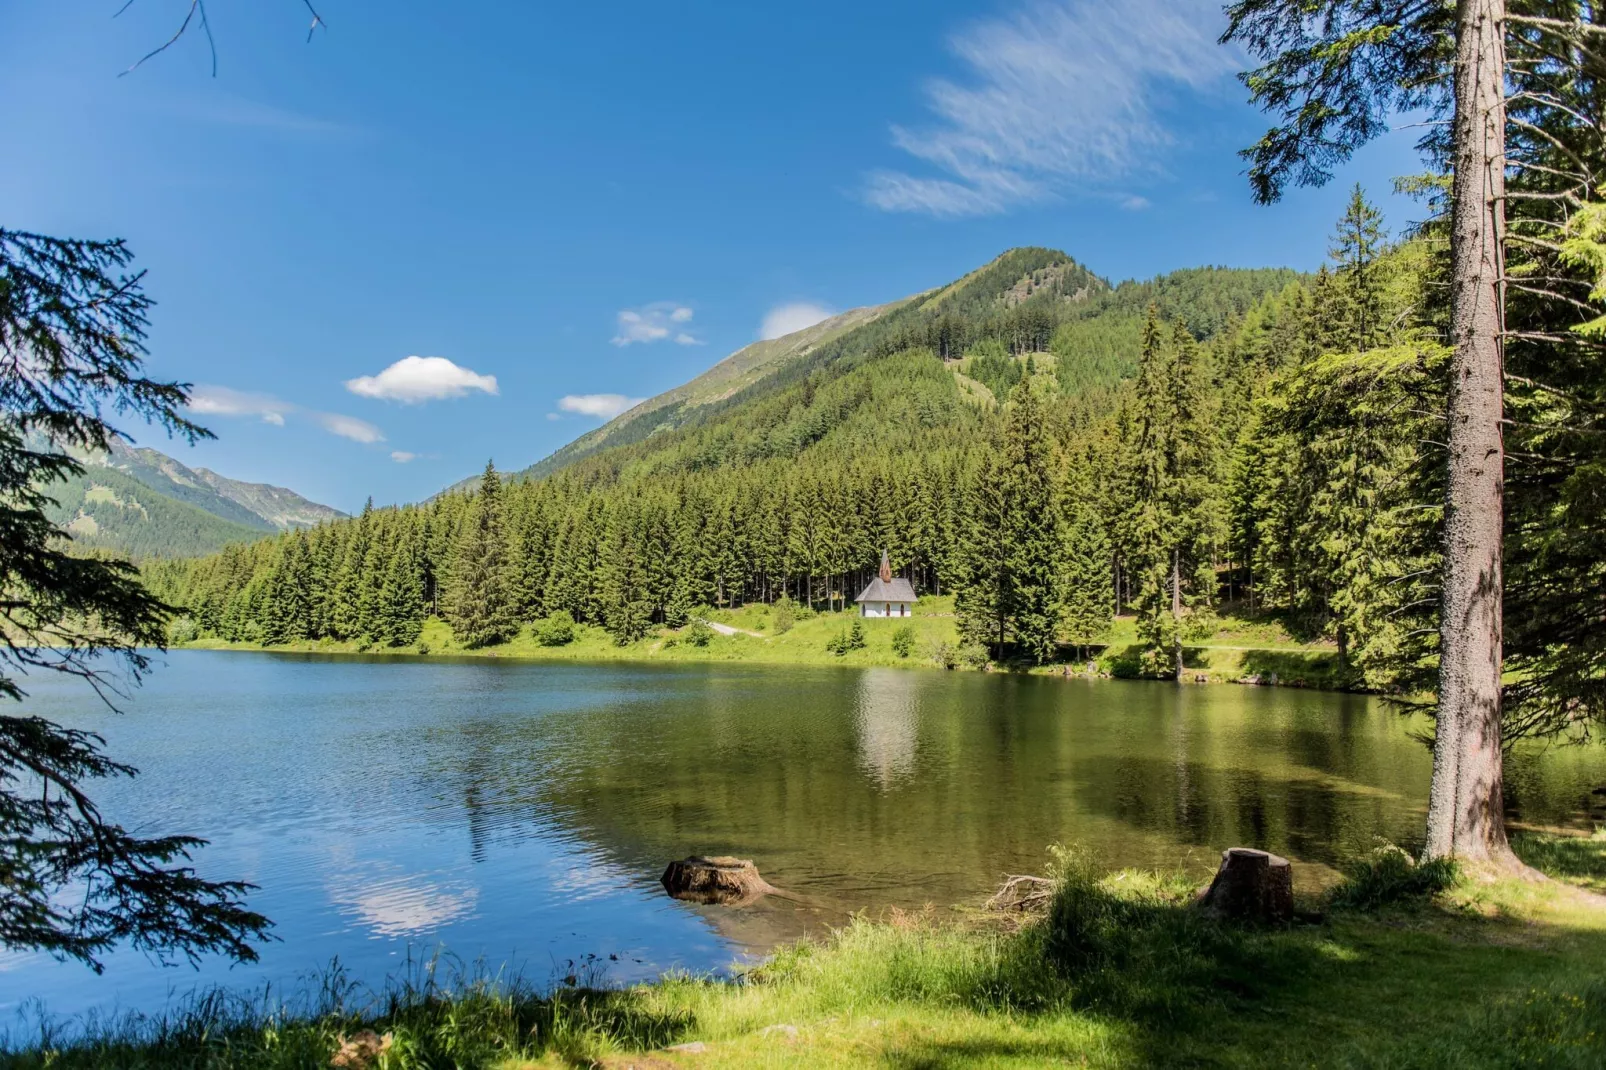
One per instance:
(556,630)
(844,641)
(423,648)
(698,634)
(943,653)
(973,656)
(785,615)
(183,630)
(903,641)
(1389,876)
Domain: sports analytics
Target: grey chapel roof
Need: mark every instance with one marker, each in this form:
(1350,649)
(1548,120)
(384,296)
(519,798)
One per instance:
(894,590)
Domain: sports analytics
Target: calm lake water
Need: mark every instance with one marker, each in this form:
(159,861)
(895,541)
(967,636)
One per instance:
(521,813)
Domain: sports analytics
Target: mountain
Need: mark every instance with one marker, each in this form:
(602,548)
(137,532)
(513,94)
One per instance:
(743,368)
(141,502)
(1032,299)
(252,504)
(787,468)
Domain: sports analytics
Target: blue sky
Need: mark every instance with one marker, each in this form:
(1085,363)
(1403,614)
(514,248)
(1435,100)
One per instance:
(557,207)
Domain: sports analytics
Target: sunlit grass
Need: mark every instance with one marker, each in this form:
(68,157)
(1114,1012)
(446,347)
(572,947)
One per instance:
(1420,969)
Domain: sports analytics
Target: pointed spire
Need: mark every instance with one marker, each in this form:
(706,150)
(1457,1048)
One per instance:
(886,568)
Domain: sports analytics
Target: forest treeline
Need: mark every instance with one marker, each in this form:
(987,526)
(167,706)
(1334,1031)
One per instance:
(1256,438)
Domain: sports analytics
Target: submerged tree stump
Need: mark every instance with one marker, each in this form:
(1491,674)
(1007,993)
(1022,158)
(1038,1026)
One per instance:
(721,879)
(1251,886)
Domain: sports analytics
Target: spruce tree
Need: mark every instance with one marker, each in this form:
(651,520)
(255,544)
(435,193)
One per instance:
(479,604)
(1088,604)
(1148,529)
(1032,536)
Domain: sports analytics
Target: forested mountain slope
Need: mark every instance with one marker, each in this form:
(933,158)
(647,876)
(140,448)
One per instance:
(787,483)
(141,502)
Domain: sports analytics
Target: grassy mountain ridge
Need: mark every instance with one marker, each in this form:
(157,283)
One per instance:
(742,368)
(141,502)
(1034,300)
(108,509)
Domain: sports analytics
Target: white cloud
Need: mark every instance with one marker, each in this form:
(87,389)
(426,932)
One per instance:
(224,401)
(347,427)
(787,319)
(654,323)
(1134,203)
(402,456)
(606,406)
(554,416)
(415,379)
(1060,95)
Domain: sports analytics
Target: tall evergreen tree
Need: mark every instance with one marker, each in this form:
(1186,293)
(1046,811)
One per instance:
(1033,538)
(479,604)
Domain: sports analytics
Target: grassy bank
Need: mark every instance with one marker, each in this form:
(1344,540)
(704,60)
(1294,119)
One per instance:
(1239,647)
(1423,969)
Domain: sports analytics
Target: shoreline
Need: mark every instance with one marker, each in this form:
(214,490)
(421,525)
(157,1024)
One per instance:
(743,640)
(1500,970)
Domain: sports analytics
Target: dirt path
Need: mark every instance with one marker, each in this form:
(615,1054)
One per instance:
(726,629)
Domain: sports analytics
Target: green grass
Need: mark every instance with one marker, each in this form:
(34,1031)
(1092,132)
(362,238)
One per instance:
(1463,972)
(1240,646)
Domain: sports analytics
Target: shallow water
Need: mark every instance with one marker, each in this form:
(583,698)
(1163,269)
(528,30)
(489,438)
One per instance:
(520,814)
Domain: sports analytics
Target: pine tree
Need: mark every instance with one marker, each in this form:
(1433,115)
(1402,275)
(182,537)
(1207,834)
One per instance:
(479,605)
(1088,602)
(399,610)
(1032,538)
(1148,531)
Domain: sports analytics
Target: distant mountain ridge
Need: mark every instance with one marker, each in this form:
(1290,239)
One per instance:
(252,504)
(141,502)
(1034,289)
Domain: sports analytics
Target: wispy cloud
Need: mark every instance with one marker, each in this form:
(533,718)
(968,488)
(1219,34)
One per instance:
(227,109)
(656,322)
(1060,95)
(417,379)
(224,401)
(789,318)
(402,456)
(605,406)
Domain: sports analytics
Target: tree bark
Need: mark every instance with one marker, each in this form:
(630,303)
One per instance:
(1466,806)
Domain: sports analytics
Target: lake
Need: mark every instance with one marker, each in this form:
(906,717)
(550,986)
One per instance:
(520,813)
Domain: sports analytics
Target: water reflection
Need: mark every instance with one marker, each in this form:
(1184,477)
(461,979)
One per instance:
(402,905)
(524,812)
(887,718)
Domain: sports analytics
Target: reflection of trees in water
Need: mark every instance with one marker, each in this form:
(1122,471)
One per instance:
(900,787)
(888,721)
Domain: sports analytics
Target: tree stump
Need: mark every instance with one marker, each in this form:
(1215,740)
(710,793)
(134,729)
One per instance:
(1251,886)
(721,880)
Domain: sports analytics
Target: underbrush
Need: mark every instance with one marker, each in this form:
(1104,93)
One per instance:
(1389,876)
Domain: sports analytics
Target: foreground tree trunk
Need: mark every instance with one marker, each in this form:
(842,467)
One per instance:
(1466,806)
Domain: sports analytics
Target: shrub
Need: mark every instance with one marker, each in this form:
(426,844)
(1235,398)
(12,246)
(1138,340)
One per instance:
(973,656)
(785,615)
(1389,876)
(556,630)
(903,641)
(943,653)
(698,633)
(851,638)
(183,630)
(423,648)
